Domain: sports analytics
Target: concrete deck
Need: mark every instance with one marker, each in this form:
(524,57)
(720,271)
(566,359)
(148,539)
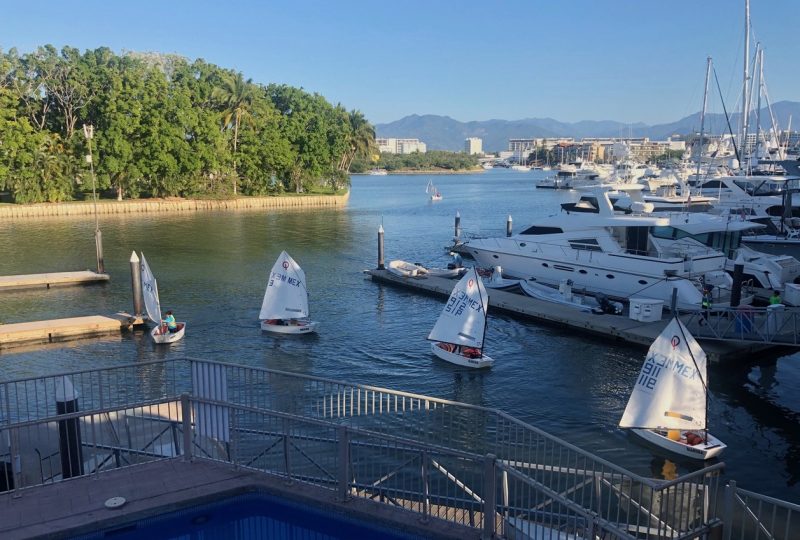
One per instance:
(612,327)
(58,330)
(76,506)
(52,279)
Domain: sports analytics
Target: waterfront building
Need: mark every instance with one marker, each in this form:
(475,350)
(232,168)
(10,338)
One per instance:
(400,146)
(473,145)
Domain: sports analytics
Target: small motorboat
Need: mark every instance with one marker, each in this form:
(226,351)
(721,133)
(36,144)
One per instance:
(406,269)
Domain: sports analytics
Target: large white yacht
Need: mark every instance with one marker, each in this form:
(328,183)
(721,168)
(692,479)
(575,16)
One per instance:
(622,255)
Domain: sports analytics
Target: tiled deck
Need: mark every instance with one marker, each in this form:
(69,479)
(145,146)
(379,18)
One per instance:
(77,506)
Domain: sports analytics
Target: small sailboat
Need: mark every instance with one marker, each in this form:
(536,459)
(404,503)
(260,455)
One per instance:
(669,403)
(152,304)
(285,306)
(432,190)
(460,330)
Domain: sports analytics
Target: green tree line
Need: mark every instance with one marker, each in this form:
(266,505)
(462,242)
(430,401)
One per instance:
(164,126)
(416,161)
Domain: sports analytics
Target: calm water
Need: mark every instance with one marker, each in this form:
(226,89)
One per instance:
(212,269)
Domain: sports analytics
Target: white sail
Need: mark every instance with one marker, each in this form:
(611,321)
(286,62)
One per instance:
(429,189)
(463,319)
(150,292)
(670,392)
(286,296)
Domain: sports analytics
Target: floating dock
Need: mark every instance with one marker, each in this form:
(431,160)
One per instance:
(53,279)
(613,327)
(61,330)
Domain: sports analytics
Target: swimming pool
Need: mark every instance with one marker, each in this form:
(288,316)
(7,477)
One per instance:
(253,516)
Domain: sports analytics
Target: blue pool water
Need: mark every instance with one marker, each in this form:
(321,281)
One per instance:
(249,517)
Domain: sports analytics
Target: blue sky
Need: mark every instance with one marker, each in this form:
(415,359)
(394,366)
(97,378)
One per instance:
(625,60)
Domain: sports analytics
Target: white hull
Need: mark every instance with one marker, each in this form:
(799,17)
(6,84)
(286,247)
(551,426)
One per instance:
(590,270)
(161,335)
(713,448)
(436,197)
(300,326)
(577,301)
(482,362)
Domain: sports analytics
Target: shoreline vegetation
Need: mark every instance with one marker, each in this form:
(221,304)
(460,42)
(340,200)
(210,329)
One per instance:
(151,125)
(172,204)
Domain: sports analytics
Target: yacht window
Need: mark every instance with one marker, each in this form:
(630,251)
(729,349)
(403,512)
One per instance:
(716,184)
(536,229)
(588,244)
(667,233)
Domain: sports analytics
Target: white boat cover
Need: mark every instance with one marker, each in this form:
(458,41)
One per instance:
(286,296)
(670,392)
(463,319)
(150,292)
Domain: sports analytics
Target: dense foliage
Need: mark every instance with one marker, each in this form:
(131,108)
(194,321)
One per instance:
(164,127)
(434,160)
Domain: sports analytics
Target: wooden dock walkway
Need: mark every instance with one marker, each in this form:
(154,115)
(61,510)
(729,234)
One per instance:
(607,326)
(59,330)
(52,279)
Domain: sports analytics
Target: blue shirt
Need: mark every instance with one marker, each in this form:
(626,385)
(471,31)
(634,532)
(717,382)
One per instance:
(170,320)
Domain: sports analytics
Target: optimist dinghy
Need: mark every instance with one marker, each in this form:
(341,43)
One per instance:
(285,306)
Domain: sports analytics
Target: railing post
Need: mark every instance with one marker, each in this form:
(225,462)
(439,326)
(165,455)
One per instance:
(344,463)
(16,462)
(727,510)
(489,502)
(186,419)
(426,489)
(287,462)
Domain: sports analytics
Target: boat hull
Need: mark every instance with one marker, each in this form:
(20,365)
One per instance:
(713,448)
(164,337)
(482,362)
(298,327)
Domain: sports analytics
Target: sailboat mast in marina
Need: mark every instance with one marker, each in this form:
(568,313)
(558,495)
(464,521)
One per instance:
(459,333)
(284,309)
(669,403)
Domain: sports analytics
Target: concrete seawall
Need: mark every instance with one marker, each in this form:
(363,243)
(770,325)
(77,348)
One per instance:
(12,211)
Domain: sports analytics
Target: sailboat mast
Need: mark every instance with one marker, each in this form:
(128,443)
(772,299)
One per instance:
(746,78)
(759,59)
(485,315)
(703,117)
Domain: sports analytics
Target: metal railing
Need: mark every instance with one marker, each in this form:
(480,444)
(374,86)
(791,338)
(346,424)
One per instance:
(465,464)
(770,326)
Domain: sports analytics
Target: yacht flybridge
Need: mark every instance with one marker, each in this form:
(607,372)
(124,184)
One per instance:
(622,255)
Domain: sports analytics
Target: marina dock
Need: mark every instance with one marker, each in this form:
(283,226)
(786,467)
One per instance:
(60,330)
(52,279)
(614,327)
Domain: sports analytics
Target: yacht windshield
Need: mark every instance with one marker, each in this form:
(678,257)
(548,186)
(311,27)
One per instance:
(724,241)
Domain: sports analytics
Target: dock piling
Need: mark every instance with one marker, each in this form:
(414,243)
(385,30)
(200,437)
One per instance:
(136,284)
(381,265)
(457,228)
(69,430)
(738,276)
(98,242)
(508,225)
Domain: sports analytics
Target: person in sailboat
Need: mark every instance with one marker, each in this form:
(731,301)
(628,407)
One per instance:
(169,322)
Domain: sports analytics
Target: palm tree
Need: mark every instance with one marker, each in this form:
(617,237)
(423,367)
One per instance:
(236,96)
(362,139)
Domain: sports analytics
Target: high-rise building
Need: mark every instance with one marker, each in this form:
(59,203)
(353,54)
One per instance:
(473,145)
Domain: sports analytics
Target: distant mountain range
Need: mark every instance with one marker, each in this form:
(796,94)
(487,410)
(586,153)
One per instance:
(444,133)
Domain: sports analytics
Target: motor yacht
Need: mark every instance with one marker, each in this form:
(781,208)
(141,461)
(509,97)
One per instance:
(621,255)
